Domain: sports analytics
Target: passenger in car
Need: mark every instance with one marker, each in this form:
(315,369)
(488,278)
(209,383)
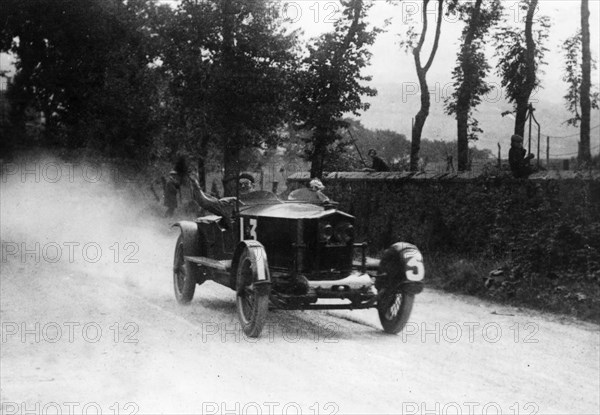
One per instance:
(312,194)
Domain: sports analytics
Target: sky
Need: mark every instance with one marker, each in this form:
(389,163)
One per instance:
(395,78)
(393,71)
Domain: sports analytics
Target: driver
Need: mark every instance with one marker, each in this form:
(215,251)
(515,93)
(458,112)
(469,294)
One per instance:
(225,205)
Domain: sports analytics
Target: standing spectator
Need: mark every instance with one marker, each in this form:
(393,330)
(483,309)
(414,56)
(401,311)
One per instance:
(378,163)
(171,186)
(519,164)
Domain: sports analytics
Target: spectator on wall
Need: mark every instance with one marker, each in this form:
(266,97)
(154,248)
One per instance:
(519,163)
(378,163)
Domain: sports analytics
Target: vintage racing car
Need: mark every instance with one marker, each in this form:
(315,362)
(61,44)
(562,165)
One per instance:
(294,255)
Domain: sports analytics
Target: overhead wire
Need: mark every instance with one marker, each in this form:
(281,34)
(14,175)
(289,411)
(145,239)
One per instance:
(571,135)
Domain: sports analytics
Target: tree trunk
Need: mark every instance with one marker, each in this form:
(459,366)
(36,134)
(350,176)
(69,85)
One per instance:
(420,118)
(585,155)
(462,126)
(202,155)
(423,113)
(231,159)
(521,116)
(522,102)
(231,141)
(318,156)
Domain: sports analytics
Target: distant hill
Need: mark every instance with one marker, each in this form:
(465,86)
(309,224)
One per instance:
(392,109)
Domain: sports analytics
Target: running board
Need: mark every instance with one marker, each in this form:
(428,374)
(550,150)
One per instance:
(371,264)
(216,264)
(367,304)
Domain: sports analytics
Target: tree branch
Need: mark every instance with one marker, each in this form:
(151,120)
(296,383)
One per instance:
(437,35)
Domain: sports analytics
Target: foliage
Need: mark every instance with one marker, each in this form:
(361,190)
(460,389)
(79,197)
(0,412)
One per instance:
(471,69)
(571,48)
(185,66)
(252,59)
(520,54)
(84,65)
(511,50)
(330,83)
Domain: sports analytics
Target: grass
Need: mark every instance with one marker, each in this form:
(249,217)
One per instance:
(468,275)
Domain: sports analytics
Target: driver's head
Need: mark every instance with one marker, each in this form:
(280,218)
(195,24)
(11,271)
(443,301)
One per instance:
(246,185)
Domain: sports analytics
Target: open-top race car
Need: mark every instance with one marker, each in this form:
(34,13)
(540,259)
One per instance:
(294,255)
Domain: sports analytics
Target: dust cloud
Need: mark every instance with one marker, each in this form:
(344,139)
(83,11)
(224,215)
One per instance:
(92,217)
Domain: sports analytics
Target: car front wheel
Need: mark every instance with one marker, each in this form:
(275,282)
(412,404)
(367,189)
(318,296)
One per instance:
(183,282)
(394,310)
(252,300)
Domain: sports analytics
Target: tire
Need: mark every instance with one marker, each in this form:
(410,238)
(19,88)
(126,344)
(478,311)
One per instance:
(252,302)
(184,283)
(394,310)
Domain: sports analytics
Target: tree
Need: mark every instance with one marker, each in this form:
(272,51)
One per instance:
(470,71)
(84,64)
(185,36)
(411,44)
(329,83)
(520,54)
(253,59)
(573,77)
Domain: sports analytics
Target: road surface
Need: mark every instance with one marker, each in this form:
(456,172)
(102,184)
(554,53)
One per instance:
(90,325)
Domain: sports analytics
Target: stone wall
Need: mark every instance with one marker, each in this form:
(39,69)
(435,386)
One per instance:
(459,213)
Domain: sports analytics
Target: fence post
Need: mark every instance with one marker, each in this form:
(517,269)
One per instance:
(499,156)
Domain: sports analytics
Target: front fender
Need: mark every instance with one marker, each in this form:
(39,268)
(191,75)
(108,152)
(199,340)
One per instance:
(402,263)
(189,233)
(259,259)
(410,287)
(191,247)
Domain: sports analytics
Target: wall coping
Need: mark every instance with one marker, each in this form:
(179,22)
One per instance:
(588,175)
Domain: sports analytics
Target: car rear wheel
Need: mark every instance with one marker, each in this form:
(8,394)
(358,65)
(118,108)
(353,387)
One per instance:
(184,283)
(394,310)
(252,300)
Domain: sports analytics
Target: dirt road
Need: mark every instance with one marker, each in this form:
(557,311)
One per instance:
(90,325)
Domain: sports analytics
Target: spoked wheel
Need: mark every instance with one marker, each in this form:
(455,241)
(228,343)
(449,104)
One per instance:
(252,301)
(183,282)
(394,310)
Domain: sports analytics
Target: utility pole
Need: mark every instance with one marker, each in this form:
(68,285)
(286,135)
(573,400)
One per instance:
(538,148)
(547,152)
